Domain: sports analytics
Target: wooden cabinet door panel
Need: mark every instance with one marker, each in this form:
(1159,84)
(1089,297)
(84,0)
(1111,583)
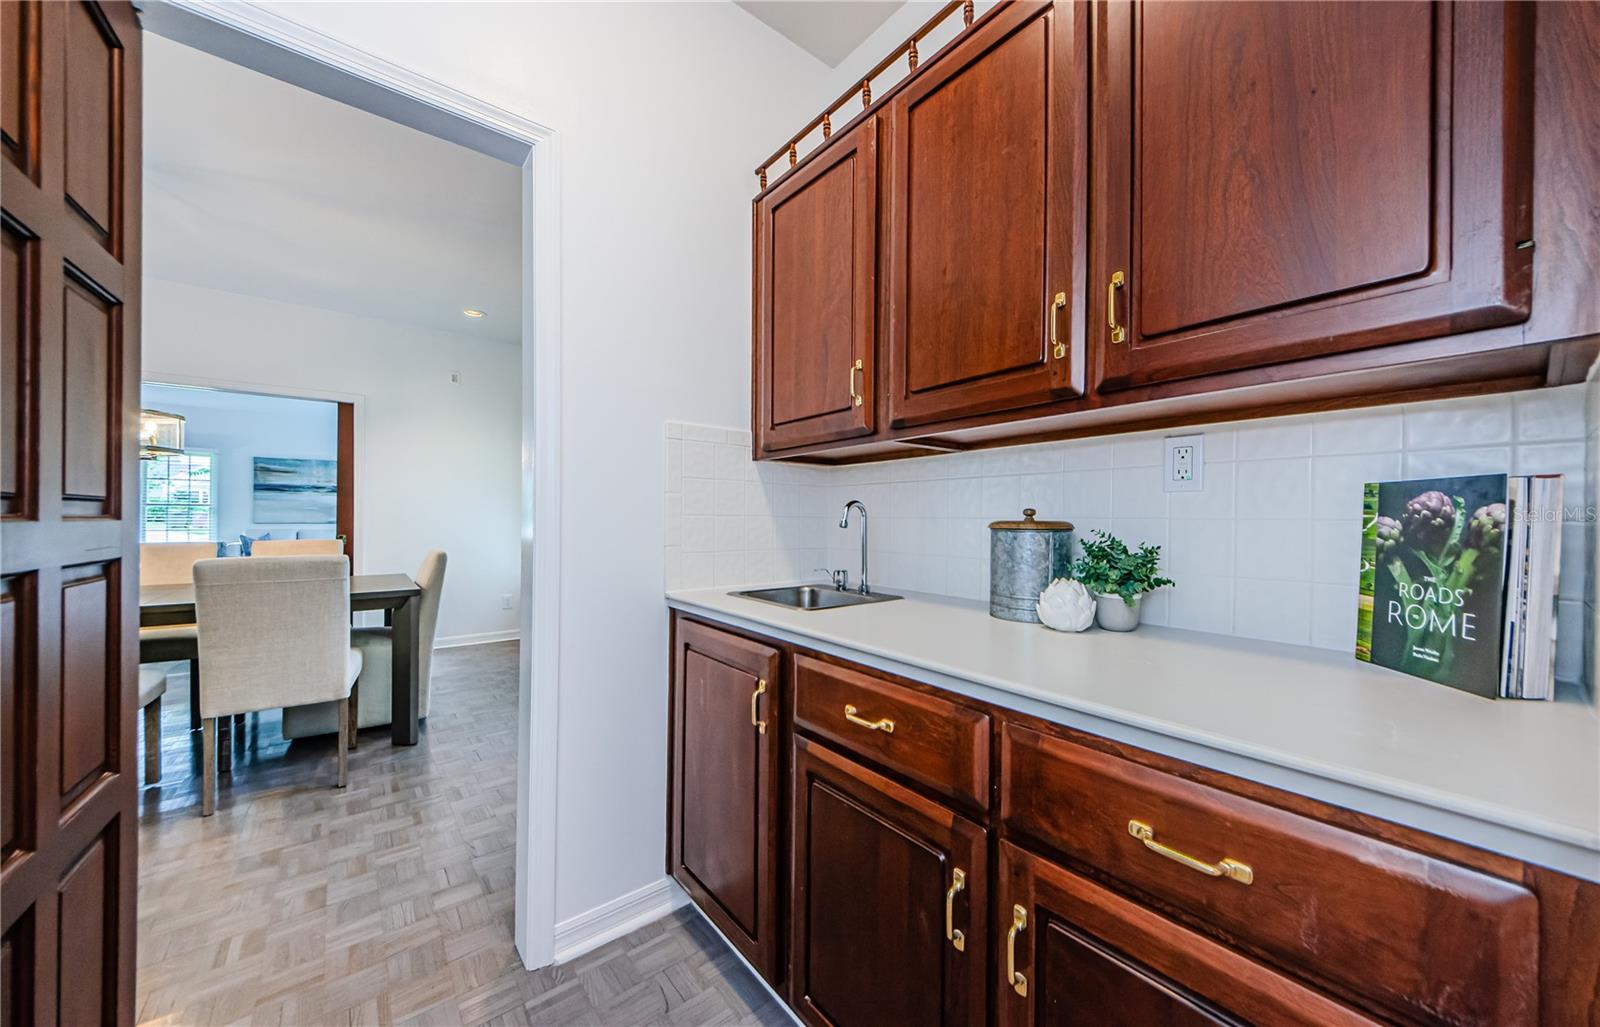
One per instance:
(725,793)
(1291,180)
(986,208)
(874,865)
(1073,954)
(69,300)
(816,252)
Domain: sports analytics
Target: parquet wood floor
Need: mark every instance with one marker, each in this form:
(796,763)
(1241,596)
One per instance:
(391,902)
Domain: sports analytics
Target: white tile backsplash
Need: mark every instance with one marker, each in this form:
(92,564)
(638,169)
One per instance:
(1278,611)
(1358,431)
(1276,488)
(1268,549)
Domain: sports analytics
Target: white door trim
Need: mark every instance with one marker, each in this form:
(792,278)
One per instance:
(285,49)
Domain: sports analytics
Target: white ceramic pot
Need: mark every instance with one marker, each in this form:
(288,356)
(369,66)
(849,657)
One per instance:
(1111,613)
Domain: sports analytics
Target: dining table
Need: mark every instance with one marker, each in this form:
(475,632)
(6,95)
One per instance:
(395,594)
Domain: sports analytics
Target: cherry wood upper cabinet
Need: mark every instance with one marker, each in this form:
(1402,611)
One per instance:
(1074,954)
(1279,181)
(816,253)
(888,915)
(985,211)
(723,844)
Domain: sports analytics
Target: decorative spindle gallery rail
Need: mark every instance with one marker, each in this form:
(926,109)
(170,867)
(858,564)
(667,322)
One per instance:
(863,88)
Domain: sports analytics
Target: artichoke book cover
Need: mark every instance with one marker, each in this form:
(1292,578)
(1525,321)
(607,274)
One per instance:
(1433,576)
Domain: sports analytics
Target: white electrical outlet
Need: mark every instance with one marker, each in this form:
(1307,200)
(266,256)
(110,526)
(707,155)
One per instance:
(505,601)
(1184,463)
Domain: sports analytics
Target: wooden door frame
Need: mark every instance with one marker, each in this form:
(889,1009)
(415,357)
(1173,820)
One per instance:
(284,49)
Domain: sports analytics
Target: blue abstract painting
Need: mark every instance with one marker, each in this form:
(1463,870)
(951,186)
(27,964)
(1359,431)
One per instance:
(290,490)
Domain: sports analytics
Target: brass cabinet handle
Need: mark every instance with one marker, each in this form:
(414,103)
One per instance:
(1230,868)
(1019,922)
(755,697)
(855,397)
(1118,333)
(883,724)
(958,882)
(1057,347)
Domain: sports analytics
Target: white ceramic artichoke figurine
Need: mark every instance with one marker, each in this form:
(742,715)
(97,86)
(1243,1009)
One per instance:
(1066,605)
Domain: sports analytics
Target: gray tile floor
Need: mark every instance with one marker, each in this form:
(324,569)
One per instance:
(389,902)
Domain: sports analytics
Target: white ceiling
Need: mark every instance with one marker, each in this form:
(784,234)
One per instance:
(829,30)
(255,186)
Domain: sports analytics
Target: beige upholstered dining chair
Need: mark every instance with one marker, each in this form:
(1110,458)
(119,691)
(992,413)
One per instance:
(297,547)
(373,693)
(172,563)
(272,633)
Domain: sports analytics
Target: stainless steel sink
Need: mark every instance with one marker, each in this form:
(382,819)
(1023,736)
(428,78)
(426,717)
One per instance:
(812,597)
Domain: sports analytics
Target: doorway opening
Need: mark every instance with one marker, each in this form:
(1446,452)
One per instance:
(287,52)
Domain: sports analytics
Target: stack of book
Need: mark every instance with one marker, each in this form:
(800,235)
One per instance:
(1459,578)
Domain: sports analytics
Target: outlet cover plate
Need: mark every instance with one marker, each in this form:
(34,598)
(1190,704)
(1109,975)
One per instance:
(1183,464)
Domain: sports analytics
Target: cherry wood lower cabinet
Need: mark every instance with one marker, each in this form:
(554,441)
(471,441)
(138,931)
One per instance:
(888,900)
(725,802)
(1074,954)
(1422,937)
(933,859)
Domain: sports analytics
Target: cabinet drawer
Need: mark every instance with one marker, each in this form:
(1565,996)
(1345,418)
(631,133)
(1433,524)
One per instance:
(1074,954)
(1436,941)
(937,743)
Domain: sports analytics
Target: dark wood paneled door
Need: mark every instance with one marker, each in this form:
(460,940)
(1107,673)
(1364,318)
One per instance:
(986,205)
(723,839)
(1278,181)
(888,900)
(69,510)
(1070,953)
(816,297)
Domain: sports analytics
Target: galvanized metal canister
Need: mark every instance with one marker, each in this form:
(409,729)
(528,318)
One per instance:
(1024,557)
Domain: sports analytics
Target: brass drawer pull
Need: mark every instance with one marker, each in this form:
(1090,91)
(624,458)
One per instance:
(755,697)
(1019,922)
(958,882)
(855,397)
(1230,868)
(1057,347)
(883,724)
(1118,333)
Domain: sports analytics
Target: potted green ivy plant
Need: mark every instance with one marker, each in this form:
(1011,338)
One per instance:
(1119,577)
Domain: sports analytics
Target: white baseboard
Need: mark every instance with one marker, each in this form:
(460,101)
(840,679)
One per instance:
(481,638)
(607,922)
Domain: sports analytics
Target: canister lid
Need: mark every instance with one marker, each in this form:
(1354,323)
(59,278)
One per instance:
(1029,524)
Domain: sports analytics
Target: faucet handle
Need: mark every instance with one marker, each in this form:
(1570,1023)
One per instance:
(840,578)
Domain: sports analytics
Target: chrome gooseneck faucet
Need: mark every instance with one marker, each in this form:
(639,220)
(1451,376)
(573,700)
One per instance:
(844,522)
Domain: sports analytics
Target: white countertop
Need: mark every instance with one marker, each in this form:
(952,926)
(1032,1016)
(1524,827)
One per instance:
(1521,778)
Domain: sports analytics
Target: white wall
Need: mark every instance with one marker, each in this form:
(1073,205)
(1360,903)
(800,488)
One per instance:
(438,465)
(238,427)
(663,111)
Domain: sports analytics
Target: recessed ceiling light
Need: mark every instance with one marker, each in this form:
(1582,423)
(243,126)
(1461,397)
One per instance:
(472,311)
